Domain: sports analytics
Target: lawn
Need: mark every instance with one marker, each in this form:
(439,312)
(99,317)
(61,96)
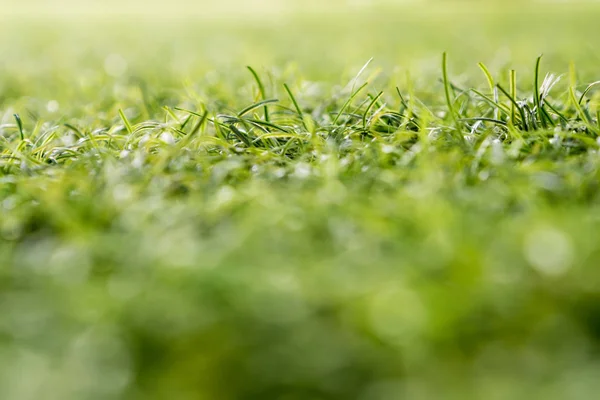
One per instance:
(299,200)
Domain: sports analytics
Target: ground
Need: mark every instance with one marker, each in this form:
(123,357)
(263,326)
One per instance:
(311,201)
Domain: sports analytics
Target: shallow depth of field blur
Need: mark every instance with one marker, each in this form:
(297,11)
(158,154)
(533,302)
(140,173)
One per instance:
(174,227)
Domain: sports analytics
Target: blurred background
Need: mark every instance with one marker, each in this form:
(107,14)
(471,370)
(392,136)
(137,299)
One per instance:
(48,45)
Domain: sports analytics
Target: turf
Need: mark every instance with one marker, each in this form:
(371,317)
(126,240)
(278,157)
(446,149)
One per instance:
(241,206)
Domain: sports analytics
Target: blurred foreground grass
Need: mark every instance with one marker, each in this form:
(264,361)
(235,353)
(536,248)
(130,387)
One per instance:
(379,248)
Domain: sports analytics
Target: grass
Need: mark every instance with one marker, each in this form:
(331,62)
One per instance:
(175,225)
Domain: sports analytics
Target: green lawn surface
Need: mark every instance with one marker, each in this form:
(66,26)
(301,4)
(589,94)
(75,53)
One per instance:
(299,200)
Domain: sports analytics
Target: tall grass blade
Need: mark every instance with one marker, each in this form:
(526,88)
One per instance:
(349,101)
(126,122)
(364,120)
(19,125)
(515,106)
(256,105)
(586,91)
(447,88)
(513,95)
(537,99)
(261,90)
(295,103)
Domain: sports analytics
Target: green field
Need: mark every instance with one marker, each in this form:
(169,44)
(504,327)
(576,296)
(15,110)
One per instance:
(299,200)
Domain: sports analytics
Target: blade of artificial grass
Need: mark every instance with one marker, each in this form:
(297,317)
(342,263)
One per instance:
(547,116)
(411,105)
(375,116)
(558,113)
(402,101)
(188,137)
(497,106)
(257,105)
(171,114)
(243,137)
(492,86)
(230,119)
(513,95)
(19,125)
(218,130)
(446,85)
(489,78)
(214,140)
(189,112)
(295,103)
(484,119)
(80,135)
(515,105)
(360,72)
(537,97)
(185,122)
(371,104)
(449,102)
(349,101)
(260,123)
(353,92)
(587,120)
(577,105)
(587,89)
(290,136)
(261,89)
(531,113)
(125,121)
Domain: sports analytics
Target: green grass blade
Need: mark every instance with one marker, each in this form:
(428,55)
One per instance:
(513,95)
(371,104)
(360,72)
(447,85)
(484,119)
(515,106)
(188,137)
(447,88)
(125,121)
(349,101)
(497,106)
(536,96)
(295,103)
(261,89)
(587,89)
(583,115)
(489,78)
(19,125)
(254,106)
(492,86)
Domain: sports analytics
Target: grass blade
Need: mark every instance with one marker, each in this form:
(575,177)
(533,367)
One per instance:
(369,108)
(483,119)
(19,125)
(583,115)
(515,105)
(513,95)
(261,89)
(295,103)
(360,72)
(536,96)
(349,101)
(257,105)
(125,121)
(587,89)
(447,88)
